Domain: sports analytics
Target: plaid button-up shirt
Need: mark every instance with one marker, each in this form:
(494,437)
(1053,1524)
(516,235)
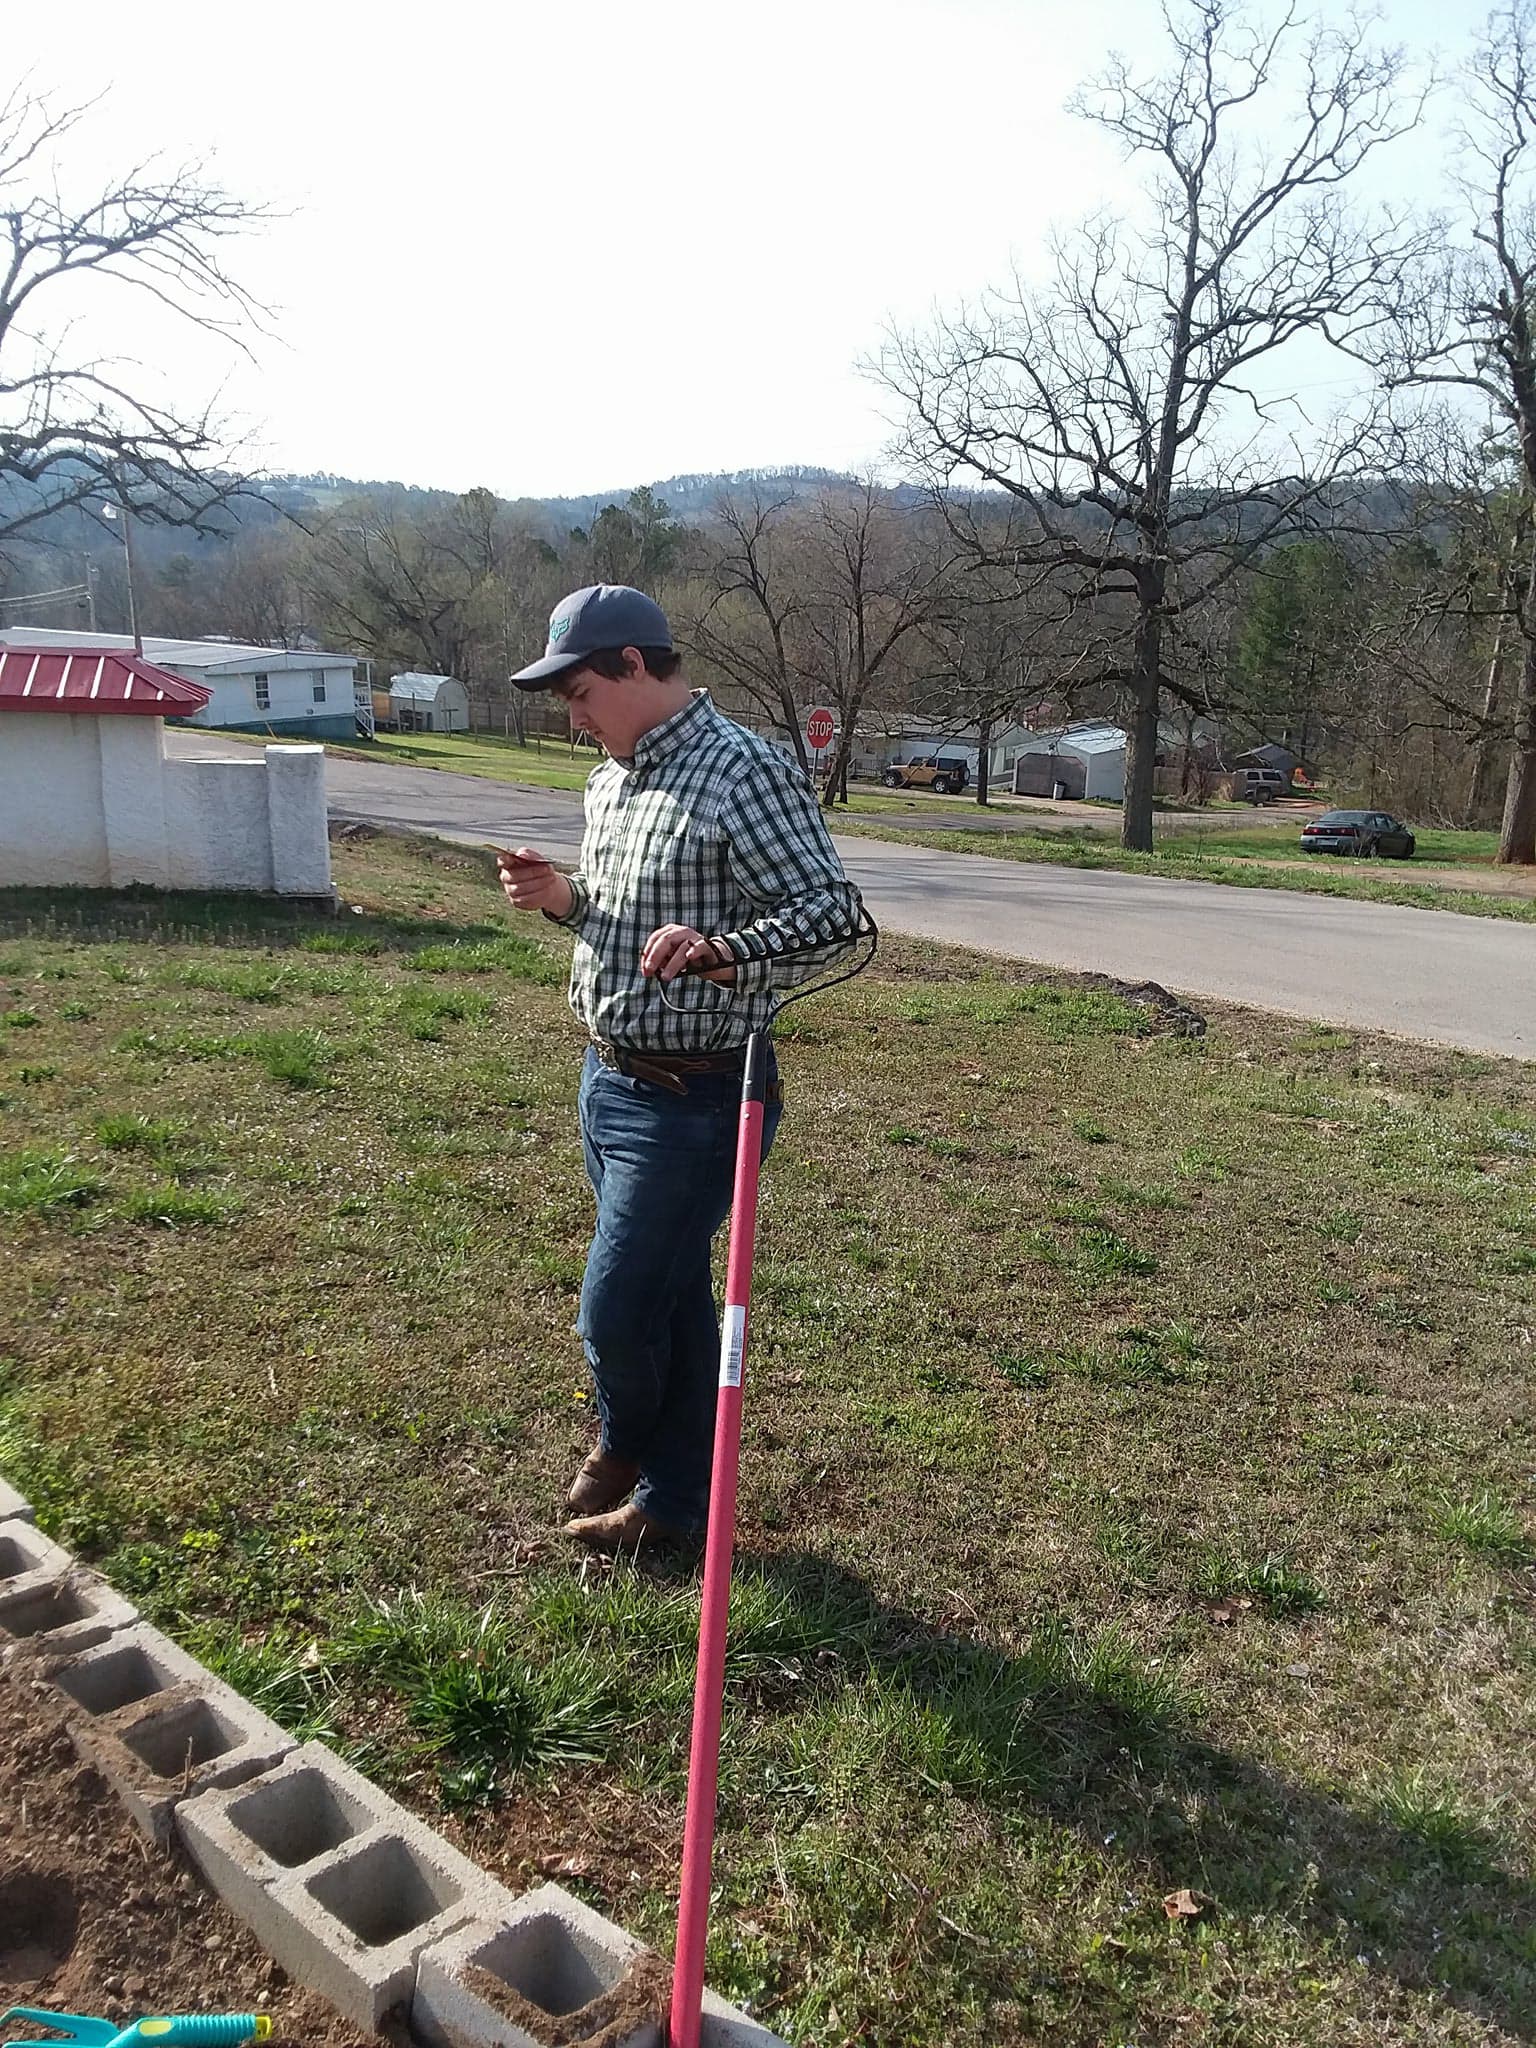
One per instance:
(712,827)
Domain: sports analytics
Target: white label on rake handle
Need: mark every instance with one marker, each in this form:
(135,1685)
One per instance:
(733,1342)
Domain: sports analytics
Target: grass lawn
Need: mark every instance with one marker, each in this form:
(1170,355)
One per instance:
(1138,1486)
(1436,848)
(551,764)
(1188,857)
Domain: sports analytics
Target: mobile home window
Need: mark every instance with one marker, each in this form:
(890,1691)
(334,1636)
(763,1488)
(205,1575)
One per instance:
(319,685)
(263,694)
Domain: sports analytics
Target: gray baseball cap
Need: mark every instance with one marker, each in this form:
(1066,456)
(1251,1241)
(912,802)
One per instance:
(602,615)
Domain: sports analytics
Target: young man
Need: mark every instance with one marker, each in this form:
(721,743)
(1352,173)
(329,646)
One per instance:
(707,884)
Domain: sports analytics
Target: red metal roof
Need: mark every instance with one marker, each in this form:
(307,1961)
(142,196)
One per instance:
(91,680)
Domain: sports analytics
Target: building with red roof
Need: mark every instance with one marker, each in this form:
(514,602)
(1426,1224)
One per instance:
(284,692)
(89,798)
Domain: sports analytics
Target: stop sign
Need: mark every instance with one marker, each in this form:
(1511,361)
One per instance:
(818,729)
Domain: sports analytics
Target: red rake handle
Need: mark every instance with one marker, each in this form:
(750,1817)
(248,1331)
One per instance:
(719,1544)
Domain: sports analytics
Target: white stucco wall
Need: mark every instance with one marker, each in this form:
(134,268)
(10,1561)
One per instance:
(92,802)
(297,827)
(216,817)
(53,829)
(133,800)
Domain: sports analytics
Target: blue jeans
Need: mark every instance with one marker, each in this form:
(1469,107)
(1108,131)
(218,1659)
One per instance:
(662,1167)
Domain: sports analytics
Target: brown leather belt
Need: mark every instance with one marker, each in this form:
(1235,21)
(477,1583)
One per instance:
(667,1069)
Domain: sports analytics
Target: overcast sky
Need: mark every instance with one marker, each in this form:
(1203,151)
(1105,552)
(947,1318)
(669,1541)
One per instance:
(566,245)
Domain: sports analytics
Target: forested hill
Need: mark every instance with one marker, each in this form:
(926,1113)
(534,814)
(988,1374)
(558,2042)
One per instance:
(26,558)
(687,498)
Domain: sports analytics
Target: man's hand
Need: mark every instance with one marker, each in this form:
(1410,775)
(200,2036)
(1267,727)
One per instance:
(529,882)
(673,949)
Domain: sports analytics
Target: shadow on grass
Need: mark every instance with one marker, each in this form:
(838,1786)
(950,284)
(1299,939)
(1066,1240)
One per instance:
(146,916)
(1086,1734)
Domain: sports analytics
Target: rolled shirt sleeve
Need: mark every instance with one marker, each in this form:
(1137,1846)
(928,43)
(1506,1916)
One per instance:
(581,903)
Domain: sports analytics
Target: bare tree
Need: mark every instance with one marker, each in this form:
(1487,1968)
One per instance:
(987,658)
(376,578)
(743,611)
(74,425)
(1128,409)
(874,574)
(461,588)
(246,585)
(1474,327)
(1493,733)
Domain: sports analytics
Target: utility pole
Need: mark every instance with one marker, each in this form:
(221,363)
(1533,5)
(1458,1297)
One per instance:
(120,511)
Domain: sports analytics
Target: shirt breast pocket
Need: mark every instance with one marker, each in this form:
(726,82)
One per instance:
(694,860)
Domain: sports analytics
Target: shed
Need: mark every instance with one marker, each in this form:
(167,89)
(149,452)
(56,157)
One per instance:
(1085,761)
(88,798)
(1269,755)
(424,703)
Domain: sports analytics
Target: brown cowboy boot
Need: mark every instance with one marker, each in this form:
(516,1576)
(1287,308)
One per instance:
(602,1483)
(627,1529)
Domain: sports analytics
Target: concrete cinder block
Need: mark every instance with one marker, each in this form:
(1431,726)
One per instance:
(727,2026)
(245,1838)
(551,1960)
(555,1960)
(12,1504)
(157,1751)
(28,1559)
(340,1885)
(61,1614)
(126,1669)
(359,1918)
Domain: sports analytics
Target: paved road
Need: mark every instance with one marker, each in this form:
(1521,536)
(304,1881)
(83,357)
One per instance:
(1461,981)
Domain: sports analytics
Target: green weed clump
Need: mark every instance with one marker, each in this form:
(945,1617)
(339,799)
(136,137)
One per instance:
(1434,1821)
(481,1707)
(1063,1013)
(1107,1256)
(518,958)
(423,1012)
(170,1207)
(1487,1526)
(37,1181)
(299,1058)
(1284,1589)
(279,1672)
(137,1132)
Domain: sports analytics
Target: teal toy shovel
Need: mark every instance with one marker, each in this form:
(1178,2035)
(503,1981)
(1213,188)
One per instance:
(188,2030)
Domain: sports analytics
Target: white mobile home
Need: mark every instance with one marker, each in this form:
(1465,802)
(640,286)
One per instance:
(299,693)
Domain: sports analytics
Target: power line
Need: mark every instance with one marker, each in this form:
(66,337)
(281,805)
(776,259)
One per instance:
(74,590)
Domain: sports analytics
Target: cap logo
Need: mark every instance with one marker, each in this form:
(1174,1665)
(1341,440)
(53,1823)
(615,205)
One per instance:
(558,628)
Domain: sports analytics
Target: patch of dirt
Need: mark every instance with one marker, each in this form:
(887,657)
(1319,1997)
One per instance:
(640,1998)
(1168,1013)
(95,1920)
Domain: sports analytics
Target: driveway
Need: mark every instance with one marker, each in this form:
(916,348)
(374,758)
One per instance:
(1427,974)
